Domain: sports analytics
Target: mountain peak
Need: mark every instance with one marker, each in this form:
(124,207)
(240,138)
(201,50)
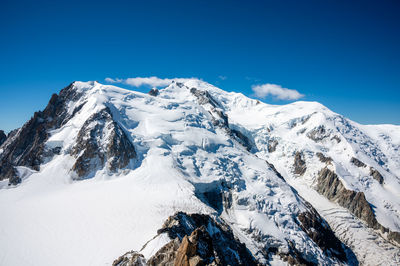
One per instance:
(194,166)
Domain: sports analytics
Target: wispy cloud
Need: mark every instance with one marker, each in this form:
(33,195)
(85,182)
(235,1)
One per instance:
(111,80)
(146,81)
(223,77)
(276,91)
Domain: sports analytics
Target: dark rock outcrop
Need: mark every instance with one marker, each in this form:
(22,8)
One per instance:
(197,239)
(131,258)
(320,232)
(154,92)
(323,158)
(211,241)
(272,143)
(329,185)
(220,119)
(3,137)
(204,97)
(26,146)
(101,140)
(319,133)
(372,171)
(12,133)
(242,139)
(274,169)
(357,162)
(376,175)
(299,164)
(338,140)
(165,255)
(394,237)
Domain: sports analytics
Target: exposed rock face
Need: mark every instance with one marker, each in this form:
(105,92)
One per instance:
(372,171)
(3,137)
(319,133)
(221,119)
(26,147)
(204,97)
(187,252)
(299,164)
(272,143)
(12,133)
(323,158)
(197,239)
(394,237)
(376,175)
(338,140)
(242,139)
(357,162)
(331,187)
(274,169)
(320,232)
(153,92)
(165,255)
(101,140)
(209,243)
(131,258)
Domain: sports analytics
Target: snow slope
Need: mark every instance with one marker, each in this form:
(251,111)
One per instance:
(50,219)
(377,146)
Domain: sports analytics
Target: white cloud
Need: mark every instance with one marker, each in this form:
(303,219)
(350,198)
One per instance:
(222,77)
(146,81)
(110,80)
(277,91)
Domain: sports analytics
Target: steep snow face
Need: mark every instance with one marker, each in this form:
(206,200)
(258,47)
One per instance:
(200,150)
(308,135)
(185,159)
(311,128)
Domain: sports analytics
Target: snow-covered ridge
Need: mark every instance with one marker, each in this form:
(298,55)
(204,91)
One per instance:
(189,152)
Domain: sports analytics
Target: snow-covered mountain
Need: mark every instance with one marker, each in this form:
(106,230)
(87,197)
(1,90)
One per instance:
(192,174)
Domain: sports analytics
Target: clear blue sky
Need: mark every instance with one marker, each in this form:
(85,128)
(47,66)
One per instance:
(344,54)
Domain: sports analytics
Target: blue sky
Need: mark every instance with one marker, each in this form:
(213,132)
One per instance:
(344,54)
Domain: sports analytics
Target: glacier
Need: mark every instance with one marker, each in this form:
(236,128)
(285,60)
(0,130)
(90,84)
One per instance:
(67,197)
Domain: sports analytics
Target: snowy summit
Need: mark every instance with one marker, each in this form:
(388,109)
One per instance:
(192,175)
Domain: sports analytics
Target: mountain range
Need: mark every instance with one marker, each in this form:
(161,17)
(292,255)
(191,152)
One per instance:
(194,175)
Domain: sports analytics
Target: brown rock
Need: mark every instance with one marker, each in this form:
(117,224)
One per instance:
(166,255)
(318,134)
(272,143)
(185,251)
(331,187)
(299,164)
(320,232)
(357,162)
(131,258)
(376,175)
(323,158)
(92,150)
